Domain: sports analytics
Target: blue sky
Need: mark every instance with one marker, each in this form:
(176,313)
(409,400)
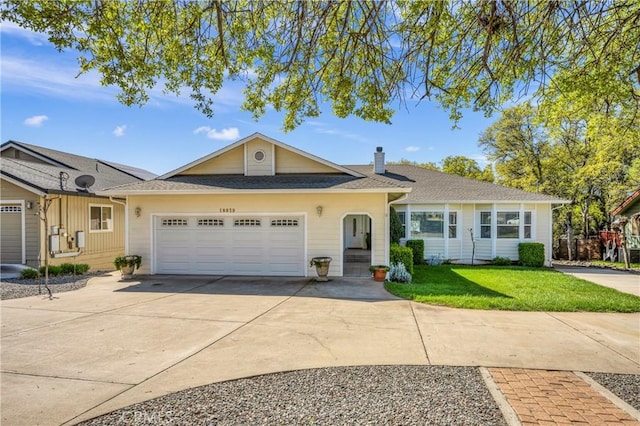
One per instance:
(43,103)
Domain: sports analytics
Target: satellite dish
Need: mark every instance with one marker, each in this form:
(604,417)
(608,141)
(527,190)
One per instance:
(85,181)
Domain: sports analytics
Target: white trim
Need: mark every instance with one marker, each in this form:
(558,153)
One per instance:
(23,185)
(245,159)
(273,160)
(154,215)
(267,139)
(494,231)
(23,225)
(445,231)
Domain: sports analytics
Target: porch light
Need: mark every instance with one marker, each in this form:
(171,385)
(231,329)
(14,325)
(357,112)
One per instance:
(138,211)
(319,210)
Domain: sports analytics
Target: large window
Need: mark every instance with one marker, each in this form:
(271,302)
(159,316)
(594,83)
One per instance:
(101,218)
(427,224)
(507,225)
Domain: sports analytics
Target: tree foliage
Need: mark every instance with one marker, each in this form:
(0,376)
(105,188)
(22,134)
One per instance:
(466,167)
(362,56)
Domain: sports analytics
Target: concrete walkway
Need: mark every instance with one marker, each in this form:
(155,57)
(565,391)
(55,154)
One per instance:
(620,280)
(115,343)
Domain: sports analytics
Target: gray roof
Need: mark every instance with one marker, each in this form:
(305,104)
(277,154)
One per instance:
(60,175)
(223,183)
(429,186)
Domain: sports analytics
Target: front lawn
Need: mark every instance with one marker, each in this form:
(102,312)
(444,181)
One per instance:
(511,288)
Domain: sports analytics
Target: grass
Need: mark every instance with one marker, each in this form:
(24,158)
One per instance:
(511,288)
(616,264)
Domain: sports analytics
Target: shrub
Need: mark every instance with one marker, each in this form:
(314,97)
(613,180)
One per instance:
(398,274)
(417,246)
(436,260)
(395,226)
(531,254)
(68,268)
(501,261)
(29,274)
(54,270)
(402,255)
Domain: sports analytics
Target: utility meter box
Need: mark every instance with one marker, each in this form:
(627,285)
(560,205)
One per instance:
(80,239)
(54,243)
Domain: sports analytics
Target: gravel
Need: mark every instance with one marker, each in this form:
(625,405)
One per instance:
(624,386)
(14,288)
(389,395)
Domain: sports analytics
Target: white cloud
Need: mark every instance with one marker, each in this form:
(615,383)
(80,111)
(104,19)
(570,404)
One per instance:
(119,130)
(412,148)
(230,134)
(36,120)
(12,29)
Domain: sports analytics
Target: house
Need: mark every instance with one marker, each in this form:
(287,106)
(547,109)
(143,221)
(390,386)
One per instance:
(82,226)
(261,207)
(630,208)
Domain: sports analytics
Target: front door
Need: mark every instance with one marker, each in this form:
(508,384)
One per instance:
(354,232)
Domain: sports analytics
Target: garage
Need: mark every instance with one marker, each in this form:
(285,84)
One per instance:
(230,245)
(11,233)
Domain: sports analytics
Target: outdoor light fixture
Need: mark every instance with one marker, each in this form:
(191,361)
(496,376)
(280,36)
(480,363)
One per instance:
(319,210)
(28,204)
(138,211)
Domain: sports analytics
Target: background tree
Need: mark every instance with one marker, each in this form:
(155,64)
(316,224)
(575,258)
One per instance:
(395,226)
(364,57)
(466,167)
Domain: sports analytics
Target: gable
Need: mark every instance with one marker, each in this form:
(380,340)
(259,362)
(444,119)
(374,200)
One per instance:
(290,162)
(227,163)
(259,155)
(18,154)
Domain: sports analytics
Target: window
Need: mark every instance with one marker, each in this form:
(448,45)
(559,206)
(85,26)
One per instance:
(485,224)
(508,224)
(403,221)
(175,222)
(259,156)
(100,218)
(527,225)
(210,222)
(427,225)
(11,209)
(453,225)
(246,222)
(284,222)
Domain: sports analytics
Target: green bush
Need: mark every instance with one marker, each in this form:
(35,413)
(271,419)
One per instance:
(29,274)
(68,268)
(395,226)
(531,254)
(417,247)
(402,255)
(54,270)
(501,261)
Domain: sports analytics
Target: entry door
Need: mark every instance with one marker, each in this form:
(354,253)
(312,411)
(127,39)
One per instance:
(354,231)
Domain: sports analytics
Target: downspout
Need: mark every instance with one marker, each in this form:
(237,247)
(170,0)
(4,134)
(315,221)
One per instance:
(126,222)
(387,227)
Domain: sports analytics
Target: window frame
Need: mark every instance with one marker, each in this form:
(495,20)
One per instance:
(427,212)
(109,221)
(503,215)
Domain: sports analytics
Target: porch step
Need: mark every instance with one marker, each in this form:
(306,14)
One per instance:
(357,256)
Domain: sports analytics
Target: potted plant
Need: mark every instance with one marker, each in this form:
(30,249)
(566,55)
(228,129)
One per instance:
(379,272)
(322,267)
(127,264)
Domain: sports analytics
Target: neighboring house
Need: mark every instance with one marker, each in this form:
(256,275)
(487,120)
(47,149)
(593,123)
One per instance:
(261,207)
(86,228)
(630,208)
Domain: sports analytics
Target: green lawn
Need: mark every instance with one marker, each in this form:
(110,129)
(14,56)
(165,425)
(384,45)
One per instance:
(511,288)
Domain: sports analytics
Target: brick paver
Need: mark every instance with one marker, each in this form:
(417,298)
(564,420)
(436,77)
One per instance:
(542,397)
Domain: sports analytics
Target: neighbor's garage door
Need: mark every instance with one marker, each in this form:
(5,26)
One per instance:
(11,233)
(230,245)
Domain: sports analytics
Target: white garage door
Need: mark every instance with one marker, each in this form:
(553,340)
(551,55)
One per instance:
(11,234)
(230,245)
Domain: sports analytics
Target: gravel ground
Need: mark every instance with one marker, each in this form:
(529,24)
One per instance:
(624,386)
(14,288)
(389,395)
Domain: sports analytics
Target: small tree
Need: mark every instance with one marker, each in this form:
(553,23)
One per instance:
(43,208)
(395,226)
(473,245)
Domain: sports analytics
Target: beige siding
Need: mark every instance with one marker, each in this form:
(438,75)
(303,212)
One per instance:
(259,168)
(323,233)
(10,191)
(290,162)
(229,163)
(71,214)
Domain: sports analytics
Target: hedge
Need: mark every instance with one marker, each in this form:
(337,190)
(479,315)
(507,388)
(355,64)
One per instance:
(531,254)
(417,246)
(404,255)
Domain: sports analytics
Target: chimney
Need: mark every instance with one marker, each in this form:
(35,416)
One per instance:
(378,161)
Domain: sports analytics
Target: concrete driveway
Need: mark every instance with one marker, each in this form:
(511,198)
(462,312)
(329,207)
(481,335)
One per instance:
(115,343)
